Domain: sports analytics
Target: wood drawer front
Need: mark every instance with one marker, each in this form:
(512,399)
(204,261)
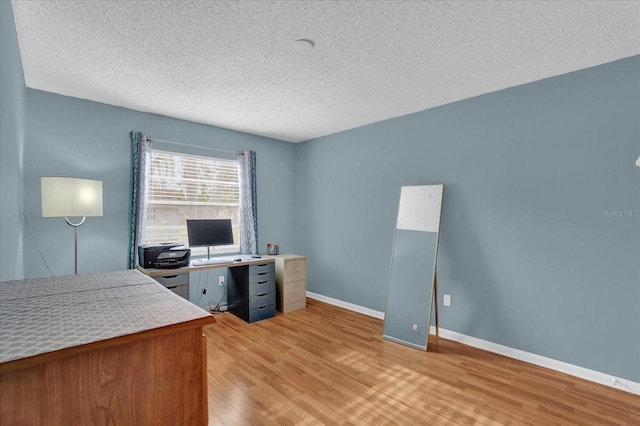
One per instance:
(294,291)
(172,280)
(261,277)
(261,267)
(262,312)
(262,300)
(295,269)
(294,306)
(262,287)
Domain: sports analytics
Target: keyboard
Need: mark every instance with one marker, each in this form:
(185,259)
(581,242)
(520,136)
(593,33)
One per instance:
(214,261)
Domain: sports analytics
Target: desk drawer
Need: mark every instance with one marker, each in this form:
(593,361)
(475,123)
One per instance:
(262,287)
(294,292)
(181,290)
(262,312)
(258,268)
(262,300)
(177,283)
(261,277)
(172,280)
(294,306)
(295,269)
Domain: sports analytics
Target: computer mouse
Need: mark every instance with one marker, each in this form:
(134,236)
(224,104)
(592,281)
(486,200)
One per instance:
(237,260)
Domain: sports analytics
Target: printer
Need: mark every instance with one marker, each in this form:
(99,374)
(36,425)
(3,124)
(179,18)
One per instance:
(163,255)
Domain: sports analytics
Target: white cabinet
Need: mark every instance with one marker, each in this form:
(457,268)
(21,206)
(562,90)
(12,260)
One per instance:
(291,282)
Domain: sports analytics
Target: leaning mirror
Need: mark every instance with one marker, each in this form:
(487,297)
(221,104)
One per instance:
(412,275)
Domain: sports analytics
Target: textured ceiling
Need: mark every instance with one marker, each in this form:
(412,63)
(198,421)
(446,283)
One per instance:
(233,64)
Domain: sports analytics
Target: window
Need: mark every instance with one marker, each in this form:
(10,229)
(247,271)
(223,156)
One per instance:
(185,186)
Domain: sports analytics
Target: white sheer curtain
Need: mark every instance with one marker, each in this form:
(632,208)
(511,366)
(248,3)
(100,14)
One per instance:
(248,202)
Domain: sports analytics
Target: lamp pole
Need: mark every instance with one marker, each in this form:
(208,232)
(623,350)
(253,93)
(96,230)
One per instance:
(75,240)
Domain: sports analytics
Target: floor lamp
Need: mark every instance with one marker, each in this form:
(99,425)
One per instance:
(71,197)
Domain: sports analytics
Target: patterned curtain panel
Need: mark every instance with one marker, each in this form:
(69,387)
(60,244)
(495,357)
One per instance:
(140,168)
(248,202)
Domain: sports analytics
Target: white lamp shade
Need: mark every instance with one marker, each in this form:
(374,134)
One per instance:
(71,197)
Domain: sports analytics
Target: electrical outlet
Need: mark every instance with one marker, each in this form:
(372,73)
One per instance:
(414,328)
(447,300)
(221,280)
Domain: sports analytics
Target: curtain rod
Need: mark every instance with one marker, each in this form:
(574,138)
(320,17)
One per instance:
(193,146)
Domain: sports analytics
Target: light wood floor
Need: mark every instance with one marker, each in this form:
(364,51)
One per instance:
(327,365)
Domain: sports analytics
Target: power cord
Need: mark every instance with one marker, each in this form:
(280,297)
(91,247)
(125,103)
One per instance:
(36,243)
(216,309)
(199,292)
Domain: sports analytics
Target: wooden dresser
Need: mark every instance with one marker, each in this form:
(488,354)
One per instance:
(101,349)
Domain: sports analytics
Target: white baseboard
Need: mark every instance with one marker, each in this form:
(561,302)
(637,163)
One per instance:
(346,305)
(552,364)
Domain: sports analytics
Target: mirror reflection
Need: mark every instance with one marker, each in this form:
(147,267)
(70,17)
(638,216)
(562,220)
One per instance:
(412,275)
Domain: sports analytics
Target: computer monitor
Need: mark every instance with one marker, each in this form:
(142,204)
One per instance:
(209,233)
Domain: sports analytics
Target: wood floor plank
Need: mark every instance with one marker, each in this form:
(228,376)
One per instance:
(327,365)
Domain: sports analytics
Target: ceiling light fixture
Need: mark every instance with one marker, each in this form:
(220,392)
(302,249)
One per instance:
(304,44)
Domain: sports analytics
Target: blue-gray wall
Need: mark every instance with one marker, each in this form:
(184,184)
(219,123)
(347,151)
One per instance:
(12,93)
(540,238)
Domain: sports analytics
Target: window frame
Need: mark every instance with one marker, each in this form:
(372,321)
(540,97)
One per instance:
(163,179)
